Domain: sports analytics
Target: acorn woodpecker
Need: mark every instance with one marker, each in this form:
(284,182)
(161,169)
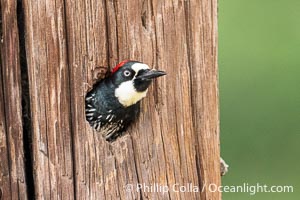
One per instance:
(114,102)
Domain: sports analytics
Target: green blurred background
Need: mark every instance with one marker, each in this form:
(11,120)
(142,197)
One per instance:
(259,65)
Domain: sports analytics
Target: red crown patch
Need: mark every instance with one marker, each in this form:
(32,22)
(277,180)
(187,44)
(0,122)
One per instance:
(118,66)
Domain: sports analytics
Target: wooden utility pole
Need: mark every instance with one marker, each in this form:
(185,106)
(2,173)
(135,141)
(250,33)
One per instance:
(67,48)
(12,162)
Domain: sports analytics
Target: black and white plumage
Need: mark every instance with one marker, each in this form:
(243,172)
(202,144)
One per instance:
(114,103)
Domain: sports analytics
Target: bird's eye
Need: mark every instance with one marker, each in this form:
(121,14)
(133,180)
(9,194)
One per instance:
(127,73)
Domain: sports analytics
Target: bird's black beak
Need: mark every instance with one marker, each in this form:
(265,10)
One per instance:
(149,74)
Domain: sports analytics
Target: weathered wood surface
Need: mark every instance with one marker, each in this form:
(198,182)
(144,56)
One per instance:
(12,167)
(202,24)
(50,99)
(69,45)
(162,34)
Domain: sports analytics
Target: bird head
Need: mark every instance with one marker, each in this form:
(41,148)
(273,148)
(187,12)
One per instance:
(132,79)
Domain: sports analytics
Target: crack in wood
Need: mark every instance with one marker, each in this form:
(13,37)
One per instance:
(26,112)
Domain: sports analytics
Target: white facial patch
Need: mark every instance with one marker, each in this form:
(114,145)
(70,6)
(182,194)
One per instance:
(138,66)
(127,95)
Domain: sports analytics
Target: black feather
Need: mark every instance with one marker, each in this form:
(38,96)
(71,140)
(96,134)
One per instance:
(105,112)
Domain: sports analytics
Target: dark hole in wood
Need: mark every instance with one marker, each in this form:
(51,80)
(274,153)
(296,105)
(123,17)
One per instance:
(0,193)
(144,20)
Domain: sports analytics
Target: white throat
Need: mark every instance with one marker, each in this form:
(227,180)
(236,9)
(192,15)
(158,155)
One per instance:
(127,94)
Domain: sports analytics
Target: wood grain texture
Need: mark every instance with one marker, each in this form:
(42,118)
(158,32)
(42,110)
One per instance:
(12,171)
(95,162)
(176,138)
(5,189)
(204,90)
(48,70)
(69,46)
